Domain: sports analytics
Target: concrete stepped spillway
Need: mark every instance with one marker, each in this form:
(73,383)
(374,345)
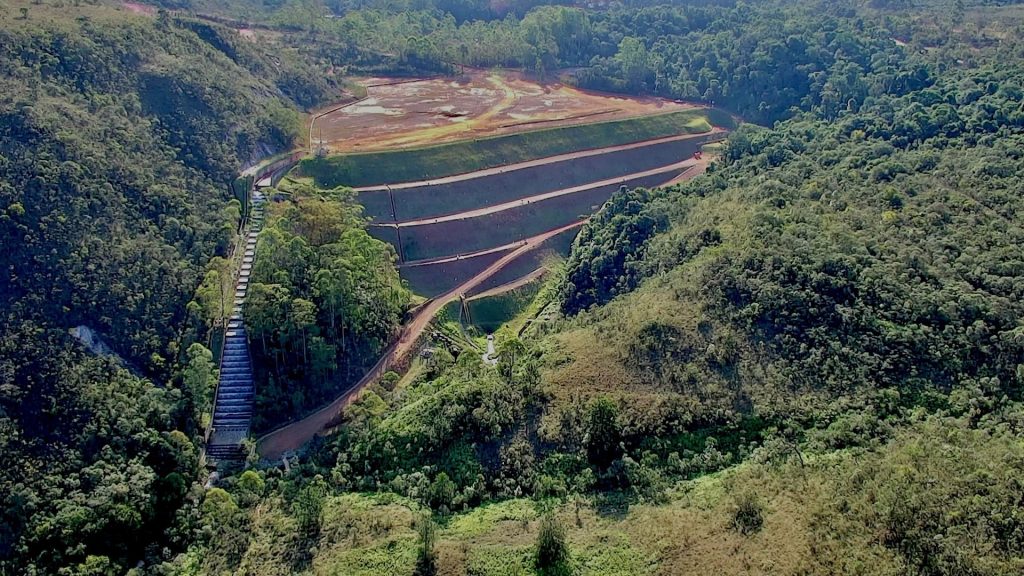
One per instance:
(236,390)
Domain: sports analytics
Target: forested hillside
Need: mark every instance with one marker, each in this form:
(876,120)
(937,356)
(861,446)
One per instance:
(806,361)
(325,302)
(119,135)
(809,360)
(761,60)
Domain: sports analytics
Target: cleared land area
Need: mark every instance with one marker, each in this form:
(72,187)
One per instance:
(440,275)
(461,157)
(505,223)
(408,113)
(483,188)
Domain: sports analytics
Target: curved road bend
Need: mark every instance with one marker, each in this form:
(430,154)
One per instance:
(715,131)
(291,437)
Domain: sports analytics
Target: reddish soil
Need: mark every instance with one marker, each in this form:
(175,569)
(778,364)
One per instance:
(291,437)
(699,167)
(139,8)
(678,167)
(398,114)
(510,286)
(543,161)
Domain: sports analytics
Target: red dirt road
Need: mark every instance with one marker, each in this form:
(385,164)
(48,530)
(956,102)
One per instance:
(699,167)
(677,167)
(510,286)
(291,437)
(715,130)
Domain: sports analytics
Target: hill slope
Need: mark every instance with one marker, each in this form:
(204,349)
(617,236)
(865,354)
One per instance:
(119,135)
(801,354)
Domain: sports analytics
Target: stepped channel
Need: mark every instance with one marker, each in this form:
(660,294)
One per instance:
(236,390)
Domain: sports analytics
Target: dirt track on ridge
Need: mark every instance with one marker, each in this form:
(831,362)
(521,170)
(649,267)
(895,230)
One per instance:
(291,437)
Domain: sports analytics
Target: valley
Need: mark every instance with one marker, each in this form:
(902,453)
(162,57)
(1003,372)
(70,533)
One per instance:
(485,232)
(476,288)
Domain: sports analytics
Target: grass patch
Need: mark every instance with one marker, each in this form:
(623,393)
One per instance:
(492,312)
(617,556)
(501,561)
(413,164)
(486,518)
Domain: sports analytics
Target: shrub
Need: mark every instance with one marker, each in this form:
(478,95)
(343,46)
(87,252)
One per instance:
(746,517)
(552,555)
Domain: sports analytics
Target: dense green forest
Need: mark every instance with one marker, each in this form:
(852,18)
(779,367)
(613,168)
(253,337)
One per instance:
(762,61)
(119,135)
(325,302)
(807,361)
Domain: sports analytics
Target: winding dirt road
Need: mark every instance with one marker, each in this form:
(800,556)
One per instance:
(291,437)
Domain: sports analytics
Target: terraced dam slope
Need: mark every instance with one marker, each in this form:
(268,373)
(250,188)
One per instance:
(459,193)
(457,225)
(481,232)
(289,438)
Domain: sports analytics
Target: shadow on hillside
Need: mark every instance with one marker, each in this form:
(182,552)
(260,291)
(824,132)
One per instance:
(612,505)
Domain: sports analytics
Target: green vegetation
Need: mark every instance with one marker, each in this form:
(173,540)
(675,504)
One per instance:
(807,361)
(491,312)
(552,555)
(761,60)
(608,252)
(870,510)
(413,164)
(324,301)
(119,135)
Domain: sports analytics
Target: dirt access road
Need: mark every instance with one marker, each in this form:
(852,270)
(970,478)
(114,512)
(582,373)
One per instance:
(510,286)
(291,437)
(678,167)
(714,134)
(404,113)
